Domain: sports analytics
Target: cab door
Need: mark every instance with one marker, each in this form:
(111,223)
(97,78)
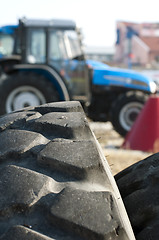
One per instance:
(66,56)
(36,46)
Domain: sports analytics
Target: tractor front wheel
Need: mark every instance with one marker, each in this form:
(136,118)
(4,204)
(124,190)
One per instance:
(125,109)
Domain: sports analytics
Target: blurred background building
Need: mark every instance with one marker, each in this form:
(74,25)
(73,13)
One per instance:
(137,44)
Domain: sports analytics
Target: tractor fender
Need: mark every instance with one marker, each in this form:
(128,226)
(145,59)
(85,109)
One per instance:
(49,73)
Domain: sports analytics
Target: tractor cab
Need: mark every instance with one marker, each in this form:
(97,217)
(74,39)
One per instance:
(56,43)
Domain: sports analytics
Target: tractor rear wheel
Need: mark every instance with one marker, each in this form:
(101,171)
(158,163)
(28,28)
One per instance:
(25,89)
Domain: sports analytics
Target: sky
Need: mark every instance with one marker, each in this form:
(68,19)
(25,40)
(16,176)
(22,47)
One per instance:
(96,18)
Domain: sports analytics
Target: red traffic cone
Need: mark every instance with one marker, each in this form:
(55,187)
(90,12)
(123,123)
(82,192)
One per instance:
(144,134)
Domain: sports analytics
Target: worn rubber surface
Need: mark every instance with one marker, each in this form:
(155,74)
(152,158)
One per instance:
(54,181)
(139,187)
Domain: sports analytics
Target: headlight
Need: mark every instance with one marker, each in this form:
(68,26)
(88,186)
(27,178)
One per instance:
(153,87)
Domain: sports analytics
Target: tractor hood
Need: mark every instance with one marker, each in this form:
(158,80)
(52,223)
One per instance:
(105,75)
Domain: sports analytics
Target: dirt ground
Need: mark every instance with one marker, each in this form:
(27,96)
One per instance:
(111,143)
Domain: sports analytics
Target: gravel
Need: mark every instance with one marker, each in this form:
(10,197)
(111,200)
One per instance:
(111,143)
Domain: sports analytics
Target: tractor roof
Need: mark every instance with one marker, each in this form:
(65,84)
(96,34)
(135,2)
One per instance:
(54,23)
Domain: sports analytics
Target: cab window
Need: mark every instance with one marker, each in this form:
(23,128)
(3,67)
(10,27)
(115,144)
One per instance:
(6,44)
(57,46)
(37,46)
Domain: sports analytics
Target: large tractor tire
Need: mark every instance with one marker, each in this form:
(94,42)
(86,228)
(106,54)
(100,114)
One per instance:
(139,188)
(55,182)
(125,109)
(23,89)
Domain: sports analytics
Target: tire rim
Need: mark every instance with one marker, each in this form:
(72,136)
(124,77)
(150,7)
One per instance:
(129,113)
(24,96)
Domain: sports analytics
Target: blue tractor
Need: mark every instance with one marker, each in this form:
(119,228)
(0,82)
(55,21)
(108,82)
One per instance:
(43,61)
